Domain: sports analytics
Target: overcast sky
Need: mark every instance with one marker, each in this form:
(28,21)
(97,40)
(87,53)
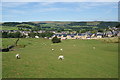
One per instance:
(59,11)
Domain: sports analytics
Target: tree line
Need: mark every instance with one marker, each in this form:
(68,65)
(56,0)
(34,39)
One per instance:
(30,35)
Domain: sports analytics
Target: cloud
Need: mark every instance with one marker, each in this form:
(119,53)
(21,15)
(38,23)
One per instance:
(13,7)
(29,10)
(51,9)
(90,5)
(60,0)
(13,4)
(46,3)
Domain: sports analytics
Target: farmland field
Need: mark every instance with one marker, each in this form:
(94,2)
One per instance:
(81,60)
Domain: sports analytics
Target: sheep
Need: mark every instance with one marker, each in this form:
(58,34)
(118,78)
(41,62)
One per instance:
(61,57)
(52,49)
(17,56)
(61,49)
(93,47)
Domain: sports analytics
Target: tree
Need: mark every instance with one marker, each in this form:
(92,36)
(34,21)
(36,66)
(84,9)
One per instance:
(83,30)
(100,30)
(24,26)
(77,31)
(32,35)
(56,40)
(14,35)
(118,26)
(5,35)
(17,35)
(94,31)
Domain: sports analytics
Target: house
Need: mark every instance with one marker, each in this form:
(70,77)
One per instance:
(93,35)
(77,36)
(84,36)
(99,35)
(68,36)
(64,37)
(59,35)
(71,36)
(109,34)
(118,34)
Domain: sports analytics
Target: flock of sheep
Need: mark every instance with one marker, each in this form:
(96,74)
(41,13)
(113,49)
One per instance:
(60,57)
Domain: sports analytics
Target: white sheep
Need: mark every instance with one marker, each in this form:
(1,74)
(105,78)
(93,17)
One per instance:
(93,47)
(52,49)
(61,57)
(17,56)
(61,49)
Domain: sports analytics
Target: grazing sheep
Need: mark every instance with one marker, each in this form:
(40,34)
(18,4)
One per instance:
(52,49)
(61,57)
(17,56)
(93,47)
(61,49)
(36,36)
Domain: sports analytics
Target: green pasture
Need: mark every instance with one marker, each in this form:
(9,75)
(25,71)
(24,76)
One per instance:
(81,60)
(8,28)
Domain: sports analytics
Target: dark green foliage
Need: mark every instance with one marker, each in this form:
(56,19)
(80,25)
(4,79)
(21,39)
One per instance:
(46,34)
(13,24)
(83,31)
(118,26)
(30,23)
(36,28)
(78,23)
(94,31)
(42,35)
(78,31)
(62,26)
(12,35)
(56,40)
(32,35)
(106,24)
(24,26)
(4,35)
(100,30)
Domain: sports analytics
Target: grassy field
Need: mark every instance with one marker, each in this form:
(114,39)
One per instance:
(8,28)
(81,60)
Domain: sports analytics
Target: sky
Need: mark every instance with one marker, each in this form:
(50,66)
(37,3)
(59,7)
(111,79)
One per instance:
(60,0)
(59,11)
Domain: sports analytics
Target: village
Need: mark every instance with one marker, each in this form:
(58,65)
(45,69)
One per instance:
(63,35)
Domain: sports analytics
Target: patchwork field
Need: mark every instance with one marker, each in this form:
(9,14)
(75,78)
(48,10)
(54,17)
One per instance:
(81,60)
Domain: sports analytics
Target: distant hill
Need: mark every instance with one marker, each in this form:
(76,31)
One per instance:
(48,22)
(82,23)
(62,25)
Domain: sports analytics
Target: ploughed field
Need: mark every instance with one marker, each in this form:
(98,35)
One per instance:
(81,60)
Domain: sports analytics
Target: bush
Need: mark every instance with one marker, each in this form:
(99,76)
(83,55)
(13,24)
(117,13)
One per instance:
(111,40)
(56,40)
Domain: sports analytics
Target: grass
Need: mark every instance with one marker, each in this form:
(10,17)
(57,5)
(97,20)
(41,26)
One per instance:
(81,60)
(8,28)
(111,40)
